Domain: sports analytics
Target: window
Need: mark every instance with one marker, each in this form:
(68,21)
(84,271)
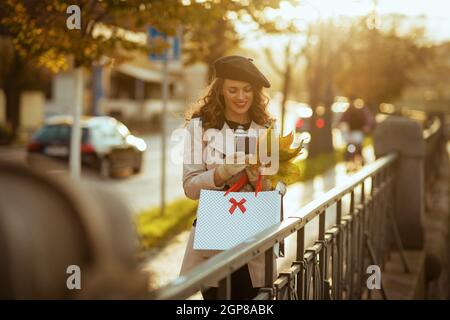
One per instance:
(59,133)
(122,86)
(46,134)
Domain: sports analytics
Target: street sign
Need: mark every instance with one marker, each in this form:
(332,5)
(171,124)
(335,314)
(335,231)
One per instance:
(171,54)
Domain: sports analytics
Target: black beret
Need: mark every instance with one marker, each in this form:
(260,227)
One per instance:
(240,69)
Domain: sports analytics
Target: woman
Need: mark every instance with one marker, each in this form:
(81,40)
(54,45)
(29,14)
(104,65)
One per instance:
(234,101)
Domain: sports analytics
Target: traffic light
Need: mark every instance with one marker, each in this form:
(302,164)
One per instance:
(320,123)
(300,122)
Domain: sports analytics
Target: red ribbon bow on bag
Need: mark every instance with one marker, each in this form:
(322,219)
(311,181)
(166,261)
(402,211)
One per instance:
(239,204)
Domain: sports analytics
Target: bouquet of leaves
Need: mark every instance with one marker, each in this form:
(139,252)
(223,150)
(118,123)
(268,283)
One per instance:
(288,151)
(287,172)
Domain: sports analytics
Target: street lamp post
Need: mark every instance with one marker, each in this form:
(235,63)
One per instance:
(75,158)
(169,54)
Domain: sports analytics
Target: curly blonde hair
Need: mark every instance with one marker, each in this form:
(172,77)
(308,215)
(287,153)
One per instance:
(211,108)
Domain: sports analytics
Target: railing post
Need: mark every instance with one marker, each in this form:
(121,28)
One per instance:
(340,245)
(362,229)
(300,259)
(322,253)
(268,282)
(351,245)
(404,136)
(224,291)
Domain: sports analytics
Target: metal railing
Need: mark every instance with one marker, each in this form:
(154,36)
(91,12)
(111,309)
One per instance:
(336,257)
(434,137)
(356,228)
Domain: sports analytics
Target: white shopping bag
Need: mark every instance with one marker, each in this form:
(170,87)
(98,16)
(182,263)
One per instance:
(226,220)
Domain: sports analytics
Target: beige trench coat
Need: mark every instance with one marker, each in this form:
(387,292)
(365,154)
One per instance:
(201,176)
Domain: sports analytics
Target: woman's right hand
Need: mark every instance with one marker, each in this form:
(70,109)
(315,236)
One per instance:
(232,165)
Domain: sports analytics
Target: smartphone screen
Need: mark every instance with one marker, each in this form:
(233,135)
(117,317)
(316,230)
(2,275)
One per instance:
(245,143)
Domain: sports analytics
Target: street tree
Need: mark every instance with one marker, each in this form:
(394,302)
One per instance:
(216,34)
(322,54)
(16,75)
(429,88)
(285,71)
(359,59)
(379,60)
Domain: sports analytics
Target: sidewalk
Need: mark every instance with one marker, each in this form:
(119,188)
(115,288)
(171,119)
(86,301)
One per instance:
(13,153)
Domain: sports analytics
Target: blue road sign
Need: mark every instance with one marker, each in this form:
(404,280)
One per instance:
(171,54)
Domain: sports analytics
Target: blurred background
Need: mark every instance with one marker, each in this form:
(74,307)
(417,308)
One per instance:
(321,56)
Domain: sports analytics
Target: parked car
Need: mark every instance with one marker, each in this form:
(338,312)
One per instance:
(106,143)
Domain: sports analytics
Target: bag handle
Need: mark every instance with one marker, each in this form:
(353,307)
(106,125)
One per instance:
(243,180)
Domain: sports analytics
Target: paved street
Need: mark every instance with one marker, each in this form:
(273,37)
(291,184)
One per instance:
(143,190)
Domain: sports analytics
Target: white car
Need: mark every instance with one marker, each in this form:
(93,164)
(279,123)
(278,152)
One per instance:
(106,143)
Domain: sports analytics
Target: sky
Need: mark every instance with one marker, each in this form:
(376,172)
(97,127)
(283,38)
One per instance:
(436,12)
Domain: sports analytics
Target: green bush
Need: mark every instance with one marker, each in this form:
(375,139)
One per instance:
(154,229)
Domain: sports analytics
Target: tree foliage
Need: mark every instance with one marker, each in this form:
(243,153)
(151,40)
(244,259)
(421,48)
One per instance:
(429,87)
(291,58)
(322,52)
(376,64)
(215,35)
(39,30)
(357,59)
(112,31)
